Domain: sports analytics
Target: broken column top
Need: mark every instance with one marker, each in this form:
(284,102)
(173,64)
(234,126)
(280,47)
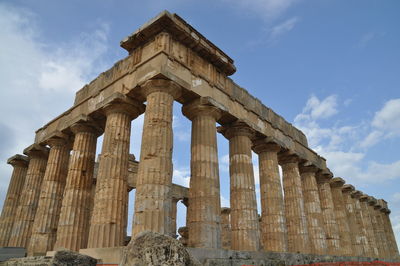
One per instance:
(337,182)
(183,32)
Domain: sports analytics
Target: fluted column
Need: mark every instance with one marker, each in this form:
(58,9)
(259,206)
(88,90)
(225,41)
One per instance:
(244,217)
(381,230)
(377,233)
(73,226)
(154,179)
(226,228)
(44,228)
(22,228)
(273,229)
(296,220)
(204,212)
(373,250)
(355,195)
(20,165)
(346,248)
(312,207)
(328,212)
(393,249)
(351,216)
(173,217)
(110,210)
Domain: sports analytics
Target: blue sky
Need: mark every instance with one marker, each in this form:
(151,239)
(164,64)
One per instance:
(332,68)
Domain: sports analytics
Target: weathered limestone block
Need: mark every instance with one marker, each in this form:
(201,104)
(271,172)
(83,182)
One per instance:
(20,165)
(296,220)
(44,228)
(154,179)
(73,226)
(355,195)
(393,249)
(328,212)
(153,249)
(204,211)
(273,229)
(226,232)
(351,217)
(68,258)
(244,217)
(110,210)
(312,207)
(22,228)
(369,230)
(341,216)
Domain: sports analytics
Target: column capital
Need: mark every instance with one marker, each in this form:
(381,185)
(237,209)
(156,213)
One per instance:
(84,123)
(120,103)
(237,128)
(383,204)
(58,139)
(356,194)
(377,205)
(308,168)
(161,85)
(347,188)
(286,157)
(265,145)
(225,210)
(371,201)
(337,182)
(364,197)
(37,150)
(18,159)
(324,175)
(202,106)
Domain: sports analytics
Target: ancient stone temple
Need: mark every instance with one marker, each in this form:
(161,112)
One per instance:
(59,197)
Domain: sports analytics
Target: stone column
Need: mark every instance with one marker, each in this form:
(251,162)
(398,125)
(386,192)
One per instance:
(204,212)
(173,217)
(296,220)
(328,212)
(384,252)
(378,238)
(20,165)
(373,250)
(22,228)
(355,195)
(226,228)
(393,250)
(312,207)
(244,217)
(110,210)
(351,217)
(154,179)
(274,231)
(44,228)
(341,216)
(73,226)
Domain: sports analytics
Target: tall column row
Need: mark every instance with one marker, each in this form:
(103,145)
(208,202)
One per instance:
(50,202)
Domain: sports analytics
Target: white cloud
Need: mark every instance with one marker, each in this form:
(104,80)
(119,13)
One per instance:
(282,28)
(396,197)
(385,124)
(340,145)
(388,118)
(38,77)
(181,176)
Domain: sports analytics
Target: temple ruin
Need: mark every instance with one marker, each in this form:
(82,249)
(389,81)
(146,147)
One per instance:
(56,199)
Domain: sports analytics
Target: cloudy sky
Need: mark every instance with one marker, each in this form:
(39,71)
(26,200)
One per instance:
(332,68)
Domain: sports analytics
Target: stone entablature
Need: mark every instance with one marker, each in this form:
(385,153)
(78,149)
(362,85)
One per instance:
(162,54)
(61,199)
